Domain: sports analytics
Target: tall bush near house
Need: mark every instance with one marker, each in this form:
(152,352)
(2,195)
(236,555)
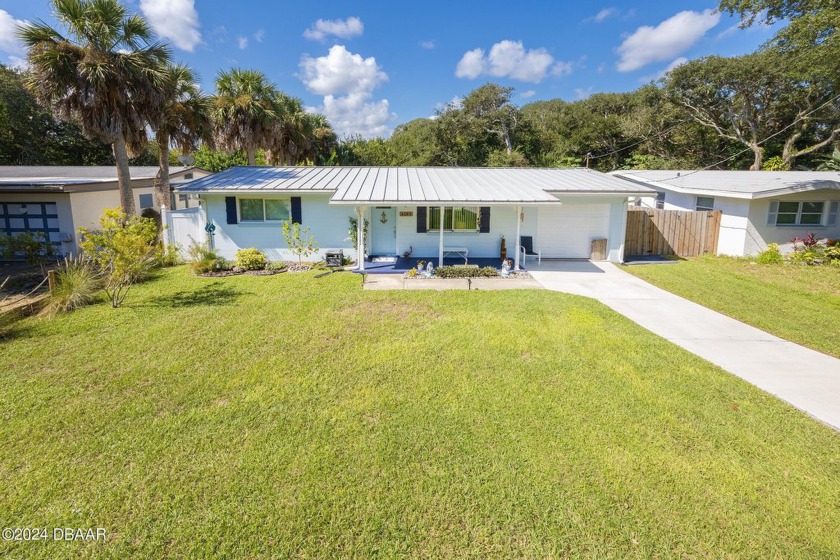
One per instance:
(298,239)
(353,231)
(125,249)
(34,246)
(78,282)
(251,259)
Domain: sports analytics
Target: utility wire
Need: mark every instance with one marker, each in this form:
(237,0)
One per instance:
(745,150)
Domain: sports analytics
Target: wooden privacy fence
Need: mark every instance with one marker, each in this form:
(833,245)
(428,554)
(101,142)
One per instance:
(671,232)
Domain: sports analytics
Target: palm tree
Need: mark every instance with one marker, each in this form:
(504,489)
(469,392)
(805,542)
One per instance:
(184,123)
(245,111)
(105,75)
(292,135)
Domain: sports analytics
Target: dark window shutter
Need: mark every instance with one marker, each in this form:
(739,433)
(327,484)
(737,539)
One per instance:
(296,216)
(421,219)
(230,206)
(484,216)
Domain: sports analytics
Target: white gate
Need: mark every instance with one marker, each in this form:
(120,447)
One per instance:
(185,228)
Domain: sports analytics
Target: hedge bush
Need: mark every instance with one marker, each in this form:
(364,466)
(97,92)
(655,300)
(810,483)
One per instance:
(466,272)
(251,259)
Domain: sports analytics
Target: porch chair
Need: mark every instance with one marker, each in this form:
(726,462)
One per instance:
(527,249)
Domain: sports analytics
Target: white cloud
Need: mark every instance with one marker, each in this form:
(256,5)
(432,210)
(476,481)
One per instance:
(667,40)
(243,42)
(427,44)
(175,20)
(344,29)
(581,93)
(357,114)
(340,72)
(9,42)
(259,35)
(471,64)
(512,60)
(606,13)
(676,62)
(562,68)
(527,94)
(347,80)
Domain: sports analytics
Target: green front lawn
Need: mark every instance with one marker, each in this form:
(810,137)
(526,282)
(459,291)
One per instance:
(796,302)
(269,417)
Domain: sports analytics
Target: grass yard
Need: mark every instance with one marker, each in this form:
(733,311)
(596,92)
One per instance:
(283,416)
(795,302)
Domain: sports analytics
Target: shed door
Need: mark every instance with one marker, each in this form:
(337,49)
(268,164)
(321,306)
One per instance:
(566,231)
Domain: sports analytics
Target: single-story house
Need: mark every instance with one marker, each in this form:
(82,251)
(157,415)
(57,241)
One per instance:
(430,211)
(57,200)
(758,207)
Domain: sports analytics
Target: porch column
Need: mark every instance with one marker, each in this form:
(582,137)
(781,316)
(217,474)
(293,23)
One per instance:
(518,240)
(360,238)
(440,223)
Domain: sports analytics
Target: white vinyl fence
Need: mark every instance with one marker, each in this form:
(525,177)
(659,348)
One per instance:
(184,227)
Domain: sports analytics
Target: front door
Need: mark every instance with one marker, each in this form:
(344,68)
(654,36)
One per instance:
(383,232)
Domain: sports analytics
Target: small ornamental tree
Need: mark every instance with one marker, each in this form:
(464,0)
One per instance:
(124,247)
(300,242)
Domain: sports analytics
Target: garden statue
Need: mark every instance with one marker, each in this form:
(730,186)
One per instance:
(430,269)
(506,268)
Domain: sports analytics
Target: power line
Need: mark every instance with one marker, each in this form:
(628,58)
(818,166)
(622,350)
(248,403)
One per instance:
(759,143)
(662,132)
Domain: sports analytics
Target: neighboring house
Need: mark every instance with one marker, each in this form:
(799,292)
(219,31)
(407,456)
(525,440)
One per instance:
(758,207)
(563,210)
(57,201)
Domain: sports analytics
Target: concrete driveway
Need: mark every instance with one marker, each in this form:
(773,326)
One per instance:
(807,379)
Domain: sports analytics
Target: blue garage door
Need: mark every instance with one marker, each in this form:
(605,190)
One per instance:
(23,217)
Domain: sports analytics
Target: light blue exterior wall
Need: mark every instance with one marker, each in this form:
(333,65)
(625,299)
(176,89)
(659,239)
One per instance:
(329,226)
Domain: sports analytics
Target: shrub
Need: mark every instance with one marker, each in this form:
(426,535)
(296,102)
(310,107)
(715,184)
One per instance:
(466,272)
(170,256)
(251,259)
(203,259)
(32,245)
(78,282)
(771,255)
(125,249)
(299,241)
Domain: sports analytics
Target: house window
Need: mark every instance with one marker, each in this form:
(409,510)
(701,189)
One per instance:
(263,209)
(705,203)
(660,200)
(146,201)
(457,218)
(800,213)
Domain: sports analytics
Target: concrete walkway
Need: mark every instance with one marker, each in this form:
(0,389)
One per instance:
(805,378)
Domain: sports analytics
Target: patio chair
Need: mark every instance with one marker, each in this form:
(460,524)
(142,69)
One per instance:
(527,249)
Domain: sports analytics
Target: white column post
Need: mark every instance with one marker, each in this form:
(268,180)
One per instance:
(440,223)
(164,227)
(518,240)
(360,238)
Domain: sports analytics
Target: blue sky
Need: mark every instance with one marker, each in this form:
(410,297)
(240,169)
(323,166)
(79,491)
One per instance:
(372,65)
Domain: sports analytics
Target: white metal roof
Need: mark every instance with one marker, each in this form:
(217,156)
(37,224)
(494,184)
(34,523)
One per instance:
(72,174)
(735,184)
(378,185)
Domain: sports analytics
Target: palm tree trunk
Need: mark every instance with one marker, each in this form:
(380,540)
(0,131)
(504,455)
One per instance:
(161,189)
(252,156)
(123,175)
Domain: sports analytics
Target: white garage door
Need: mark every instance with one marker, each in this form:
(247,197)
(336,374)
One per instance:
(567,231)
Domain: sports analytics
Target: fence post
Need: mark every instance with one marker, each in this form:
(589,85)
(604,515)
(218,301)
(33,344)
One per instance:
(51,280)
